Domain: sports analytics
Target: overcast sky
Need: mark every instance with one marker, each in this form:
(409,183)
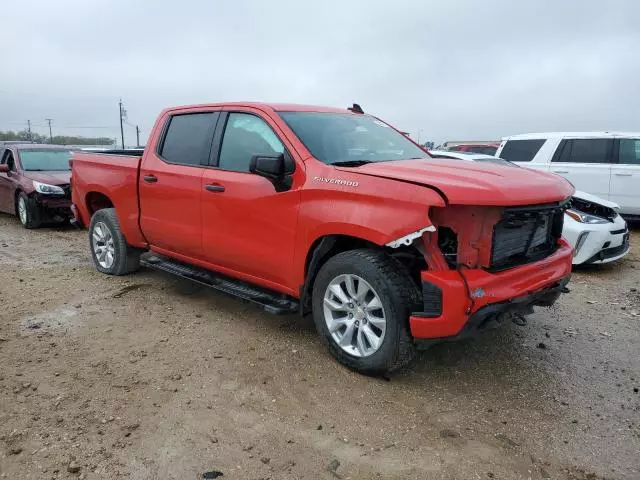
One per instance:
(447,69)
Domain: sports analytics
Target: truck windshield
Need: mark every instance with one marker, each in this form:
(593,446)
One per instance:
(350,139)
(45,159)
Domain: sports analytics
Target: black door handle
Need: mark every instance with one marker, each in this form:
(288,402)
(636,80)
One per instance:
(150,178)
(214,188)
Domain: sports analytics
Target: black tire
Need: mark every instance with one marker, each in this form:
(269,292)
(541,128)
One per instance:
(398,295)
(126,259)
(32,217)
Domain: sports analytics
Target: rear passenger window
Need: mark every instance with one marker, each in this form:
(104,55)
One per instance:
(246,135)
(521,150)
(629,151)
(188,138)
(586,150)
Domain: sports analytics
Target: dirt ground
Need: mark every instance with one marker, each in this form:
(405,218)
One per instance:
(151,377)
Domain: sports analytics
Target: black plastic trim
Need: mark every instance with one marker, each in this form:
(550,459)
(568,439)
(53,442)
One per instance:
(558,153)
(615,156)
(216,144)
(325,245)
(272,302)
(431,301)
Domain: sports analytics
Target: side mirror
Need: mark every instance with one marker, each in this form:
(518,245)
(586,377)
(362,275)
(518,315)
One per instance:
(277,168)
(268,166)
(4,168)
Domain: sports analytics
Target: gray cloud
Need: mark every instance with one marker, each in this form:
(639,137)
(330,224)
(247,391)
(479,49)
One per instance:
(457,69)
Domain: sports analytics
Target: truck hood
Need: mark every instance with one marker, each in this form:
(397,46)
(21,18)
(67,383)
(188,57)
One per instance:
(473,183)
(53,177)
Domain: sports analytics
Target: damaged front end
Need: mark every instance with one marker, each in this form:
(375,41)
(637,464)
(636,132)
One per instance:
(485,265)
(54,207)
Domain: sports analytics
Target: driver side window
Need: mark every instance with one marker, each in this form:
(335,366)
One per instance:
(246,135)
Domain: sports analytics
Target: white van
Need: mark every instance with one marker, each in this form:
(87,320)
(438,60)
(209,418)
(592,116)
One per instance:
(605,164)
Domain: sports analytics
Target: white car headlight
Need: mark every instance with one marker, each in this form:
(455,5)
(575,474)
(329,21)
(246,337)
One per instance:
(47,189)
(582,217)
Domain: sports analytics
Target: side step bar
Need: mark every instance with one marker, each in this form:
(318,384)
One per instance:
(272,302)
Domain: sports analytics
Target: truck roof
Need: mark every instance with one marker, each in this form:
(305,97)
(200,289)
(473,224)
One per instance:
(545,135)
(278,107)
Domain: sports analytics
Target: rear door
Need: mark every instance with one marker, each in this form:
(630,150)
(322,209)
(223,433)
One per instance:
(170,182)
(625,175)
(586,163)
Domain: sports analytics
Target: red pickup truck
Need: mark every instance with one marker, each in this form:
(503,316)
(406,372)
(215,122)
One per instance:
(331,212)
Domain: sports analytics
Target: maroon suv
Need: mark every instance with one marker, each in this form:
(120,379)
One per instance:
(34,183)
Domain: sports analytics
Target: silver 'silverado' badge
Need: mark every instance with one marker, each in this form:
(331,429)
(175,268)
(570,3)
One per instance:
(336,181)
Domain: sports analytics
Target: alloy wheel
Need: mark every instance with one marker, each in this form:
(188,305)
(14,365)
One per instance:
(103,246)
(354,315)
(22,210)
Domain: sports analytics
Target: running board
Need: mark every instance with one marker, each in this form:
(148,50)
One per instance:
(271,301)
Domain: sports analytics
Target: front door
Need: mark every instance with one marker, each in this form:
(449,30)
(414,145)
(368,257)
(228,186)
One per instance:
(625,176)
(7,183)
(170,183)
(248,227)
(586,163)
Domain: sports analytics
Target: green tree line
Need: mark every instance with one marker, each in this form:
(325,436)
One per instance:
(57,139)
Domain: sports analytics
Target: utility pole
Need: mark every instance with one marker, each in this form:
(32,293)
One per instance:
(121,127)
(137,136)
(50,134)
(29,128)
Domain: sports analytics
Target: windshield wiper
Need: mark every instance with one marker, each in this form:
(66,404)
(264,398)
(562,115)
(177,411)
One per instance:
(351,163)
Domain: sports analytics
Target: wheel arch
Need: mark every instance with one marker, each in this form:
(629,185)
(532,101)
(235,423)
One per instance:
(327,246)
(95,200)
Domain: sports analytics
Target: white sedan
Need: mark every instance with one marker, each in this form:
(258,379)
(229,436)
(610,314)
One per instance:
(592,225)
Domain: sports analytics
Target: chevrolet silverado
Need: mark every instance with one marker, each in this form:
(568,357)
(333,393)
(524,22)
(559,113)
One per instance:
(331,212)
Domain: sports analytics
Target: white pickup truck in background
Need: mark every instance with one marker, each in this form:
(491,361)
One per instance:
(605,164)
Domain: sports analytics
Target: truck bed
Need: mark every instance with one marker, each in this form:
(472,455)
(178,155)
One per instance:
(111,180)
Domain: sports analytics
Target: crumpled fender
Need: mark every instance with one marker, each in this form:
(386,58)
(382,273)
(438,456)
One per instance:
(378,210)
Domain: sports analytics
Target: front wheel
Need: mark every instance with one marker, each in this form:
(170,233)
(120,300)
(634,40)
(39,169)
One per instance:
(28,211)
(109,249)
(362,300)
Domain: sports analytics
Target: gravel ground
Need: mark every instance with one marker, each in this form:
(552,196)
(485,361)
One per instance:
(151,377)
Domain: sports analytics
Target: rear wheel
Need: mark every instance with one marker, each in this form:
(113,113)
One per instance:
(109,249)
(361,304)
(28,212)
